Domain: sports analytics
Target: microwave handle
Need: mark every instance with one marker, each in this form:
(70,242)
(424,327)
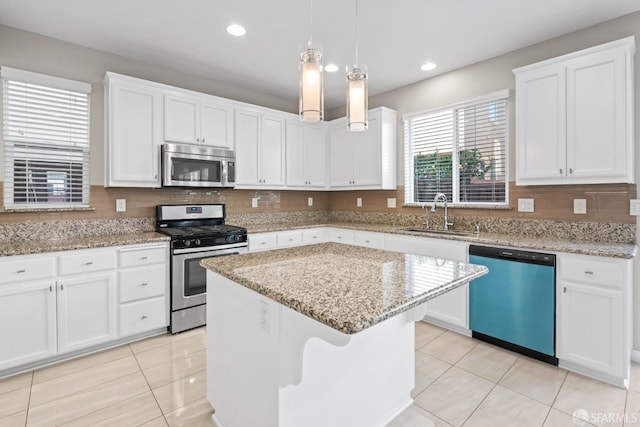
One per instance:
(225,172)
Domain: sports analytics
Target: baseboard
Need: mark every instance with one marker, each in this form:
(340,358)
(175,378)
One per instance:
(635,356)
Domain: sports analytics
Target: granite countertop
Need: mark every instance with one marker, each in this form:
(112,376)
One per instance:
(613,250)
(23,247)
(345,287)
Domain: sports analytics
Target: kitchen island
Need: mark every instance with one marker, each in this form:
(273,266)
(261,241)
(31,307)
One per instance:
(318,335)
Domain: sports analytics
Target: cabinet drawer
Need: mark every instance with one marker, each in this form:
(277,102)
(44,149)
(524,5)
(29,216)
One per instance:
(289,238)
(26,269)
(88,262)
(139,283)
(370,240)
(262,242)
(609,272)
(142,316)
(341,236)
(316,235)
(142,256)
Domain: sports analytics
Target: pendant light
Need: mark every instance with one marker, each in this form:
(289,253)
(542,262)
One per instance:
(311,81)
(357,93)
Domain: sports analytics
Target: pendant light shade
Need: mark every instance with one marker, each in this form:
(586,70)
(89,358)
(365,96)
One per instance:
(357,93)
(311,82)
(357,100)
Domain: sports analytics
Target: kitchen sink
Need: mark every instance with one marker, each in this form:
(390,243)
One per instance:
(443,232)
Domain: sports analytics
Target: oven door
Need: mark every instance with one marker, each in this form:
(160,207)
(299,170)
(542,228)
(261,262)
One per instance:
(192,170)
(189,278)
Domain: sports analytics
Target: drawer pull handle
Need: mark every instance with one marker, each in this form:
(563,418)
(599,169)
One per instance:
(564,290)
(291,239)
(88,263)
(589,272)
(144,257)
(144,284)
(50,288)
(366,241)
(61,287)
(21,271)
(143,317)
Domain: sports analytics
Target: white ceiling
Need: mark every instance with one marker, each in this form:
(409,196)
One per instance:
(395,37)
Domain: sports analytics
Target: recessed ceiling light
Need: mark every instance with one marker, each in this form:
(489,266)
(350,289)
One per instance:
(428,66)
(236,30)
(331,68)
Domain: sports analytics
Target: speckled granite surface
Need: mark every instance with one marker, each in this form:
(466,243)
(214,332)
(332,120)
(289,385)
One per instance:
(614,250)
(23,247)
(345,287)
(68,229)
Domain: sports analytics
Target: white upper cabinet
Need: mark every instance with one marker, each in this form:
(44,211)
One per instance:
(133,132)
(364,160)
(305,155)
(574,117)
(260,141)
(198,120)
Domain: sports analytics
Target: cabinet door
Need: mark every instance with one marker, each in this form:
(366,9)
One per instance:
(366,154)
(134,126)
(247,128)
(315,157)
(272,151)
(541,126)
(180,119)
(596,118)
(296,155)
(340,156)
(590,329)
(86,311)
(216,124)
(27,323)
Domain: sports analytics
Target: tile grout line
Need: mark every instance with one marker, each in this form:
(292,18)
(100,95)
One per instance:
(149,385)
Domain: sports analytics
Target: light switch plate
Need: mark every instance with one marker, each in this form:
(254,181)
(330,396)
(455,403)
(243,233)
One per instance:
(121,205)
(634,207)
(525,205)
(254,202)
(579,206)
(309,201)
(391,202)
(359,202)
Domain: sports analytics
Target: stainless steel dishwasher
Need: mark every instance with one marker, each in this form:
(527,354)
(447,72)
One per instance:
(514,305)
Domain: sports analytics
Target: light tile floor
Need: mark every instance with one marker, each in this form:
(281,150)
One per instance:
(459,382)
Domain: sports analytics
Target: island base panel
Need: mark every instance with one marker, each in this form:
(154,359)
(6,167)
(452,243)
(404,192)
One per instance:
(269,365)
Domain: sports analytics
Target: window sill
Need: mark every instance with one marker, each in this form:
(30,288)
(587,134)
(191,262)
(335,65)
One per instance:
(52,209)
(461,205)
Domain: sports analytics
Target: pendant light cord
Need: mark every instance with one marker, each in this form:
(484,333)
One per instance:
(310,22)
(357,33)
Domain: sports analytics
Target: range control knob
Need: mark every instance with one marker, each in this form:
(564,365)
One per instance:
(197,242)
(229,238)
(187,243)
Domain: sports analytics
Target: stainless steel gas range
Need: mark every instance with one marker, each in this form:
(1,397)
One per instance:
(197,232)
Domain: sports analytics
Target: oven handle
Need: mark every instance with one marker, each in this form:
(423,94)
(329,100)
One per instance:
(214,251)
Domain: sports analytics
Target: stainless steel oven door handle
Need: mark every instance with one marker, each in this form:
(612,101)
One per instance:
(214,250)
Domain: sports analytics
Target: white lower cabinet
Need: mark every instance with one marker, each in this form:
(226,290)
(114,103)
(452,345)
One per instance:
(86,311)
(57,303)
(593,330)
(27,322)
(450,309)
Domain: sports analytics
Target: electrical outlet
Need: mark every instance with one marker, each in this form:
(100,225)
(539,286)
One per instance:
(634,207)
(121,205)
(254,202)
(525,205)
(579,206)
(309,201)
(391,202)
(359,202)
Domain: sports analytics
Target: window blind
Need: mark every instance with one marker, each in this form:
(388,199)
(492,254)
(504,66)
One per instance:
(460,151)
(46,141)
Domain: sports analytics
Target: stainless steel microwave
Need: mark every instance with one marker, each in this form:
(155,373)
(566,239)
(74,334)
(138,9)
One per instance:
(191,165)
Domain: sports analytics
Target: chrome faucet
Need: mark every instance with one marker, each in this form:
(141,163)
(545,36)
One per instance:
(443,198)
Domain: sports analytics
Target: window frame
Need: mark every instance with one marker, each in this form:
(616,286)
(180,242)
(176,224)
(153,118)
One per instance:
(500,95)
(48,154)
